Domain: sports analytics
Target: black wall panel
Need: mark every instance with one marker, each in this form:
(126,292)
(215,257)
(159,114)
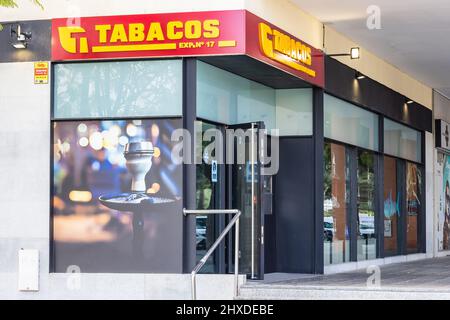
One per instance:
(294,206)
(340,81)
(39,47)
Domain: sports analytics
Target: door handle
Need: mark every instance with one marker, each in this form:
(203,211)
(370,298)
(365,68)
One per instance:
(262,235)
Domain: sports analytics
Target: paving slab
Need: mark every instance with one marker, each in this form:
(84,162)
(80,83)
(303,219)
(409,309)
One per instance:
(422,279)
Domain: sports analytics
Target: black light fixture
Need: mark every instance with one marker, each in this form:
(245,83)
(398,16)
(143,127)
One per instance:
(19,38)
(355,53)
(359,75)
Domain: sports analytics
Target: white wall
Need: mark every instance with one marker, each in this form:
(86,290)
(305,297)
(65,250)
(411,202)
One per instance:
(429,194)
(441,110)
(24,164)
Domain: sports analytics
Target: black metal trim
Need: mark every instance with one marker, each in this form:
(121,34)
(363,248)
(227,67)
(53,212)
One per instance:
(379,184)
(353,214)
(52,267)
(318,141)
(340,81)
(189,170)
(115,118)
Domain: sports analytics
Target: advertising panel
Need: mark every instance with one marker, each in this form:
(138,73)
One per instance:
(210,33)
(99,225)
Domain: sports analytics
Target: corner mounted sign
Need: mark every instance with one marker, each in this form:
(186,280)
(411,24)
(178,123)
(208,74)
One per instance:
(234,32)
(269,44)
(442,133)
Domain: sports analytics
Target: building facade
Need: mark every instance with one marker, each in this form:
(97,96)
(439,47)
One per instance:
(334,170)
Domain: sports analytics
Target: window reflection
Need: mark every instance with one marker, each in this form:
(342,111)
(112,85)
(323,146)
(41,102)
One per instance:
(207,196)
(366,238)
(336,204)
(118,89)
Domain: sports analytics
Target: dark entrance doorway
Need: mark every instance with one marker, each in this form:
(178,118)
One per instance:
(229,177)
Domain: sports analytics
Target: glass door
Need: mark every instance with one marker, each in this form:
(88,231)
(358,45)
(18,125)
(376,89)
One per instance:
(210,184)
(244,193)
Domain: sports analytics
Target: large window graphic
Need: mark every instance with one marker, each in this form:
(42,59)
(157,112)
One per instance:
(413,203)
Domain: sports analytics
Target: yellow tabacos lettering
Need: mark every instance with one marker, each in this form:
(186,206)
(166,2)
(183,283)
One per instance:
(69,43)
(140,36)
(175,30)
(284,49)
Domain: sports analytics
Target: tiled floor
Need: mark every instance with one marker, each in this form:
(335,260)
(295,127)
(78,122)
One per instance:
(422,274)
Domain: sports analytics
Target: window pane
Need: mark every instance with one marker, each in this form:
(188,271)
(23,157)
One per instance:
(336,204)
(348,123)
(391,207)
(413,191)
(118,89)
(401,141)
(366,240)
(208,197)
(230,99)
(294,112)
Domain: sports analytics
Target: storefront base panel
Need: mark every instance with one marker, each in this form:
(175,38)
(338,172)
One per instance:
(357,265)
(292,293)
(441,254)
(121,286)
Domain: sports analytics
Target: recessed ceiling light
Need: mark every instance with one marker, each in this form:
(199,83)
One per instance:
(359,75)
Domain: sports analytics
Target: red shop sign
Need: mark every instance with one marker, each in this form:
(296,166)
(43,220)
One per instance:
(234,32)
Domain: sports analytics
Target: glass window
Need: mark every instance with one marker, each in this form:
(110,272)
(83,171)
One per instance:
(336,204)
(230,99)
(391,207)
(350,124)
(401,141)
(294,112)
(208,195)
(413,195)
(366,237)
(118,89)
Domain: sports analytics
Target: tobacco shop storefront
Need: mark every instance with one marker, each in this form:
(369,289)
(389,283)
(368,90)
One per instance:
(331,172)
